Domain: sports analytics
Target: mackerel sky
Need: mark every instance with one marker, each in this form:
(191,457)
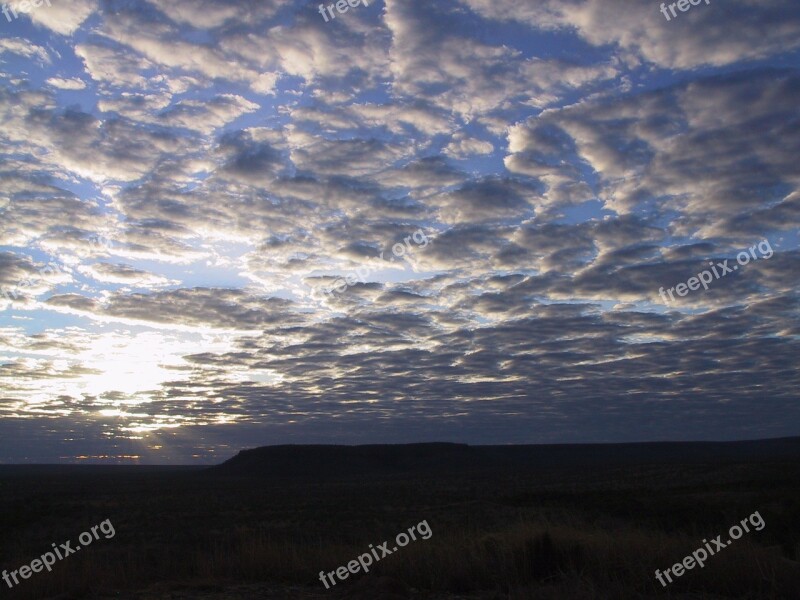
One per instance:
(182,180)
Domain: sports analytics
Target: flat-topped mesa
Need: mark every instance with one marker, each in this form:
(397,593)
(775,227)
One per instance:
(342,461)
(427,459)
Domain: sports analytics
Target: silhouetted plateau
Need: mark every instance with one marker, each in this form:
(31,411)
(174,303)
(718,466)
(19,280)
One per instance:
(334,461)
(508,522)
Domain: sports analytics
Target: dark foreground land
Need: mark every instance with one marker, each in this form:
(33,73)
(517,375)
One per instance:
(546,522)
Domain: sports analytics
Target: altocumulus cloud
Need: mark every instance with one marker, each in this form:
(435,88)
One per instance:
(572,158)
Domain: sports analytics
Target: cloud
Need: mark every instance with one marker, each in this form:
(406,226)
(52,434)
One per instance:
(64,18)
(22,279)
(125,274)
(66,84)
(206,116)
(207,14)
(24,48)
(213,164)
(462,146)
(196,307)
(640,31)
(696,150)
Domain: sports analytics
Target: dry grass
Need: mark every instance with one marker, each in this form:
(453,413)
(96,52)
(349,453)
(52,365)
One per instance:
(529,560)
(488,542)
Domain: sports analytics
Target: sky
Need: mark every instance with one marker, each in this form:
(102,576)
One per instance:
(234,224)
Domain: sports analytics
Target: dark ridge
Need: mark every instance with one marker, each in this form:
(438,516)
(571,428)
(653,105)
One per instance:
(331,461)
(325,461)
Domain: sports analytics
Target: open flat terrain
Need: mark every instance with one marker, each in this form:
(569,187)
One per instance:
(506,522)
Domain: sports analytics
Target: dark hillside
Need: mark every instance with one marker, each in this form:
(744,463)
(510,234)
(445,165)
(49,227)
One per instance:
(330,461)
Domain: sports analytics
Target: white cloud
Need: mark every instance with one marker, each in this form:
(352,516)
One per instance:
(24,48)
(462,146)
(67,84)
(64,17)
(700,37)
